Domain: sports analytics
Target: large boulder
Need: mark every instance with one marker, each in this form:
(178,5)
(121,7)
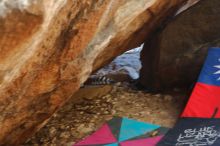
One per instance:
(174,57)
(49,48)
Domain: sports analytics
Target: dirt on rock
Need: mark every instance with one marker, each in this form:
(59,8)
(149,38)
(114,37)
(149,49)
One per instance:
(94,105)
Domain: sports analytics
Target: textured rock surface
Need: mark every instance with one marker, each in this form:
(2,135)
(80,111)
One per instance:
(182,45)
(48,48)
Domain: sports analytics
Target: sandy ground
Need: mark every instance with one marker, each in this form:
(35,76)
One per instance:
(91,106)
(94,105)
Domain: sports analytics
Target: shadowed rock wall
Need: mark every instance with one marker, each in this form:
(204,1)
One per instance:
(174,57)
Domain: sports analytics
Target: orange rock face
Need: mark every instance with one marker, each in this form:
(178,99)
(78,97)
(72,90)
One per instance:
(48,48)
